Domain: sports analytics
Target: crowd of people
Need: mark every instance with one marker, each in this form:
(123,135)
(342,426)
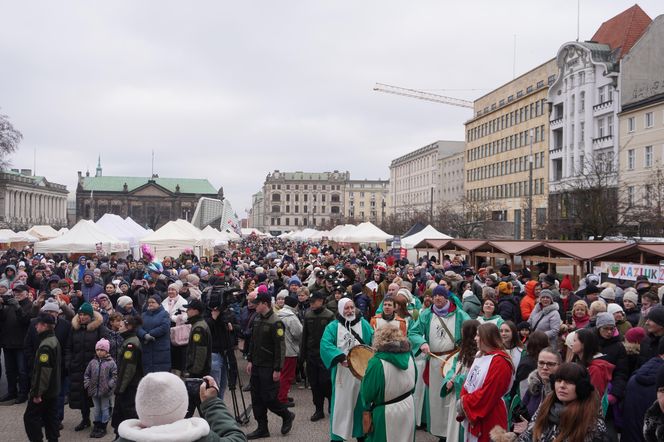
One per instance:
(462,352)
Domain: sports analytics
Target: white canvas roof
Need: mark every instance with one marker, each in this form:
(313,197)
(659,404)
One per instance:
(43,232)
(428,232)
(8,236)
(116,226)
(82,238)
(135,228)
(365,233)
(174,237)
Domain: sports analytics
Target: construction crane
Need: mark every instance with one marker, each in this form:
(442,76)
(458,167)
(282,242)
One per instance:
(413,93)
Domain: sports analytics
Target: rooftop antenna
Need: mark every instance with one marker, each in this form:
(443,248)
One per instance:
(34,162)
(152,176)
(514,60)
(578,18)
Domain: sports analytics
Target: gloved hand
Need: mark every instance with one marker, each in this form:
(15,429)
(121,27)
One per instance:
(148,337)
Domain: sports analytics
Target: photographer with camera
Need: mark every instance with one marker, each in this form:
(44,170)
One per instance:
(156,422)
(223,328)
(198,349)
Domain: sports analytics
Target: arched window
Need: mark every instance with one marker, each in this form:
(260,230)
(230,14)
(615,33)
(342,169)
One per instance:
(276,197)
(275,209)
(335,198)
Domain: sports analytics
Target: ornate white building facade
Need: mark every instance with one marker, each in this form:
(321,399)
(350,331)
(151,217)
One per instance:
(27,200)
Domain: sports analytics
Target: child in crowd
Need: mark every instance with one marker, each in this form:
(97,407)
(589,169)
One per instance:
(114,337)
(524,331)
(99,380)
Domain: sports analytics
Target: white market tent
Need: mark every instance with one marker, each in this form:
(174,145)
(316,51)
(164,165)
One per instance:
(428,232)
(232,235)
(82,238)
(135,228)
(43,232)
(338,232)
(8,236)
(115,226)
(303,235)
(63,230)
(365,233)
(318,236)
(26,237)
(174,237)
(251,230)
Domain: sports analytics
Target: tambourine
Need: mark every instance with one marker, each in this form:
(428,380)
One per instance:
(358,360)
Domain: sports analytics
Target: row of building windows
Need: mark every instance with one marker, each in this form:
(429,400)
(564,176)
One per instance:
(306,186)
(510,119)
(647,158)
(352,203)
(648,121)
(513,165)
(335,198)
(519,94)
(287,221)
(509,190)
(505,144)
(305,209)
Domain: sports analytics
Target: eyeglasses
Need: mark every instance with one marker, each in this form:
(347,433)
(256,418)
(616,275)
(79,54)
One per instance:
(546,364)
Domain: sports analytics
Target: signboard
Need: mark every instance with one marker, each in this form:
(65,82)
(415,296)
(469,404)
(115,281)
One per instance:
(396,242)
(629,271)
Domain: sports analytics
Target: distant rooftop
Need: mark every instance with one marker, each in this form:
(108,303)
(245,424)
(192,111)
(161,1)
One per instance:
(623,30)
(116,184)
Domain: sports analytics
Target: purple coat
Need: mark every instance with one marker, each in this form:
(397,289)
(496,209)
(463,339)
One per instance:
(100,377)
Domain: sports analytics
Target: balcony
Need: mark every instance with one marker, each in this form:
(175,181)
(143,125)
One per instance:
(603,142)
(556,123)
(603,108)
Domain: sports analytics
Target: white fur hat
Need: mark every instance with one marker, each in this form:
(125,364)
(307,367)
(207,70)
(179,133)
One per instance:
(161,398)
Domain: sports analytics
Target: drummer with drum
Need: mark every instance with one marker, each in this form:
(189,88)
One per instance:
(437,333)
(347,331)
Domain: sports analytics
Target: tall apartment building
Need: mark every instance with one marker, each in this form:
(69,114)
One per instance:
(418,179)
(583,130)
(641,122)
(256,217)
(296,200)
(367,200)
(510,125)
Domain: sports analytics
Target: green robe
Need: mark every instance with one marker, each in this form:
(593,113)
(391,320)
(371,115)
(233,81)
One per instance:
(331,354)
(388,376)
(495,319)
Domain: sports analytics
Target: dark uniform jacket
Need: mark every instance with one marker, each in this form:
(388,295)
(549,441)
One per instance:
(312,332)
(130,364)
(268,346)
(14,322)
(47,366)
(198,349)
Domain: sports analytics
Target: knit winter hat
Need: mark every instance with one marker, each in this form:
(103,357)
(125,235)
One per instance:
(86,309)
(51,305)
(262,288)
(505,288)
(161,399)
(56,292)
(608,293)
(614,308)
(656,315)
(295,280)
(291,301)
(605,319)
(282,294)
(546,293)
(566,283)
(440,290)
(631,296)
(124,300)
(635,335)
(467,294)
(103,344)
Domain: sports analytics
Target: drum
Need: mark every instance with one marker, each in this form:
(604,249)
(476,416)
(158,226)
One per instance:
(358,360)
(446,366)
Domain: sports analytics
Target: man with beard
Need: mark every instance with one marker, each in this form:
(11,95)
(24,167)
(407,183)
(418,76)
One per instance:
(315,321)
(437,331)
(339,337)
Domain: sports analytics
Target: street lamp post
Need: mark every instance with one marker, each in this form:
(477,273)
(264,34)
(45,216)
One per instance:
(529,209)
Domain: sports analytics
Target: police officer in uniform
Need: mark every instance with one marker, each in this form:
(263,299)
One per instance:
(199,349)
(42,409)
(265,360)
(130,372)
(315,321)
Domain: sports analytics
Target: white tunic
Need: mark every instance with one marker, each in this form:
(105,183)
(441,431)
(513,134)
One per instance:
(399,417)
(346,386)
(475,381)
(439,341)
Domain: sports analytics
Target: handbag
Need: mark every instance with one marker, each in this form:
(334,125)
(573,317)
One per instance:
(180,334)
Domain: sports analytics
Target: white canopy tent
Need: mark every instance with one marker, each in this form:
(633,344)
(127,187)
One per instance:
(82,238)
(43,232)
(176,236)
(365,233)
(135,228)
(9,236)
(115,226)
(27,237)
(232,235)
(428,232)
(251,230)
(63,230)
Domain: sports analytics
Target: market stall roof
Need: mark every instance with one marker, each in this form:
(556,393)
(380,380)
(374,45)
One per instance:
(116,226)
(586,250)
(468,245)
(9,236)
(43,232)
(251,230)
(135,228)
(513,247)
(656,249)
(415,228)
(82,238)
(364,233)
(437,244)
(428,232)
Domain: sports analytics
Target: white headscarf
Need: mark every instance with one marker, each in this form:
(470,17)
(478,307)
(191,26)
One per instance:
(340,308)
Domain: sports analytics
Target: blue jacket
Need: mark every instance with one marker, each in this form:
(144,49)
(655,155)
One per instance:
(641,392)
(91,291)
(156,354)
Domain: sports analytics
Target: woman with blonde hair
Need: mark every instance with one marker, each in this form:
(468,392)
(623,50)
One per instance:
(596,308)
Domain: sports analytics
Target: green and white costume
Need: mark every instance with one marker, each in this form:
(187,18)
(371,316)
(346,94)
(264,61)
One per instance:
(346,404)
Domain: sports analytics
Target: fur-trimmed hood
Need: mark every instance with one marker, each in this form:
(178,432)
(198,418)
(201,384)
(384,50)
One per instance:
(184,430)
(535,384)
(97,321)
(391,341)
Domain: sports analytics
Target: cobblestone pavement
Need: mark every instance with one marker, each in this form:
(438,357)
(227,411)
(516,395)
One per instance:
(11,420)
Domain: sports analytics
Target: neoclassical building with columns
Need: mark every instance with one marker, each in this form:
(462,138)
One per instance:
(27,200)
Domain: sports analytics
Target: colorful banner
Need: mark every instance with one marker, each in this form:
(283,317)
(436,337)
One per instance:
(629,271)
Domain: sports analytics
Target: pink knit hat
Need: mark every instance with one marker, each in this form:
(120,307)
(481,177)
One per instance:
(103,344)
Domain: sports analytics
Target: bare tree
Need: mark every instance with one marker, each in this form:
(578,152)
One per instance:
(465,218)
(9,140)
(588,204)
(644,216)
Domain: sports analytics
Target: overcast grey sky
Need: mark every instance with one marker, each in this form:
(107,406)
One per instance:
(230,91)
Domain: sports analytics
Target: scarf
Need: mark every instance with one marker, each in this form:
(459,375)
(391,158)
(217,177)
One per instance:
(582,321)
(441,311)
(555,412)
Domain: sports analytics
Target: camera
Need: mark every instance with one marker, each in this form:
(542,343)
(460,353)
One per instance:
(193,386)
(222,296)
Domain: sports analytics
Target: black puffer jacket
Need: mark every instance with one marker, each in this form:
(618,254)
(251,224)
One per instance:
(509,308)
(31,343)
(14,322)
(79,352)
(615,353)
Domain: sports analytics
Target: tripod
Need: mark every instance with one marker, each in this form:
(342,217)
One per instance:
(233,376)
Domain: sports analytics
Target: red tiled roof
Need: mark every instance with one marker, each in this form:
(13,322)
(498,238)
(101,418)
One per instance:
(623,30)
